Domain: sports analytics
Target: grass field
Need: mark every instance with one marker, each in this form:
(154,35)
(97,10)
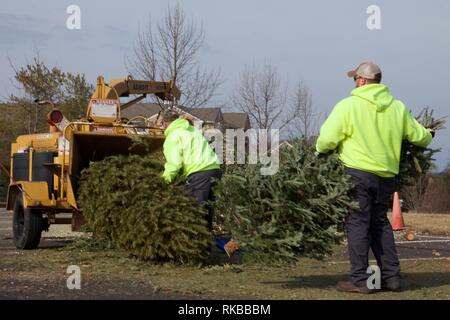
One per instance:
(308,279)
(44,271)
(428,223)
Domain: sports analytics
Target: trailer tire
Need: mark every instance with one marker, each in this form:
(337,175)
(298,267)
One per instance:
(27,225)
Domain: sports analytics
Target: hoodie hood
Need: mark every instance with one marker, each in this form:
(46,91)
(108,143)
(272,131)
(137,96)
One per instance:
(377,94)
(177,124)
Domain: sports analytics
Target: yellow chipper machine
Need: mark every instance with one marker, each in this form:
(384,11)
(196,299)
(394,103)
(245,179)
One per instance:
(46,167)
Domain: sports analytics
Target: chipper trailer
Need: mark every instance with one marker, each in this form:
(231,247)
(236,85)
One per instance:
(46,167)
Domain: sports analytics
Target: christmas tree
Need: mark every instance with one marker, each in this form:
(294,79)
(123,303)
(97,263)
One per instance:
(417,161)
(127,204)
(294,213)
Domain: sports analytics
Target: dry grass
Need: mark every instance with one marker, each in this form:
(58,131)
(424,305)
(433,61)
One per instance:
(428,223)
(22,272)
(308,279)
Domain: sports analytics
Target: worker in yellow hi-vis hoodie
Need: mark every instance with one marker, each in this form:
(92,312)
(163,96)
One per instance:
(367,129)
(188,152)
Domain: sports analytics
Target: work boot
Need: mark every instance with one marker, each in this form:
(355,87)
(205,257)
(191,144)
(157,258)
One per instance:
(231,247)
(392,284)
(347,286)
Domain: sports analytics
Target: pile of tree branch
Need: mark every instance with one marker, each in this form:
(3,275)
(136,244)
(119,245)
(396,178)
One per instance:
(127,204)
(417,161)
(294,213)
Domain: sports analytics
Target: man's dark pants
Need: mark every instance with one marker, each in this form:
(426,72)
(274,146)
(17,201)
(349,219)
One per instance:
(199,185)
(368,227)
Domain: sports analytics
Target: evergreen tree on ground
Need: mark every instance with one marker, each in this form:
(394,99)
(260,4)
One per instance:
(294,213)
(128,204)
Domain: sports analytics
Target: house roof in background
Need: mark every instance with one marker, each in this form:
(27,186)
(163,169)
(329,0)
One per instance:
(206,114)
(233,120)
(141,109)
(236,120)
(150,109)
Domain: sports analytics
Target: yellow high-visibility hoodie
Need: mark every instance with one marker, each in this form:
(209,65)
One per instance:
(186,150)
(368,129)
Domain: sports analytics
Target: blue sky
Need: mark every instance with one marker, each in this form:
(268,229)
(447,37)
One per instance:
(313,41)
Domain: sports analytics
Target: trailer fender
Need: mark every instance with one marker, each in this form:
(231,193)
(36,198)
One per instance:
(35,194)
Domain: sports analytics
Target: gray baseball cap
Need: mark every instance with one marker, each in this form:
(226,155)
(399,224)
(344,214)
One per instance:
(367,70)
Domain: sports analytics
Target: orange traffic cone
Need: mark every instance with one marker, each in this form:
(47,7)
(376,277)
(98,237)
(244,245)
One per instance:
(397,217)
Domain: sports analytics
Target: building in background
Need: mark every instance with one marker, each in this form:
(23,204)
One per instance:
(208,118)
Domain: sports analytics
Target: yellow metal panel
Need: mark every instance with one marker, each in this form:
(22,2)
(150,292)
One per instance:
(36,193)
(14,147)
(42,141)
(70,195)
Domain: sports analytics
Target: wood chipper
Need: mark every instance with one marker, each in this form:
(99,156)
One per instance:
(46,167)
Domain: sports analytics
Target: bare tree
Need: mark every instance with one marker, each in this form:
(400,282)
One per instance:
(414,194)
(263,95)
(169,50)
(426,193)
(305,125)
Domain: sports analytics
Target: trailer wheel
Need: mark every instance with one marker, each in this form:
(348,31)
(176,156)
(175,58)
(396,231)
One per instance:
(27,225)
